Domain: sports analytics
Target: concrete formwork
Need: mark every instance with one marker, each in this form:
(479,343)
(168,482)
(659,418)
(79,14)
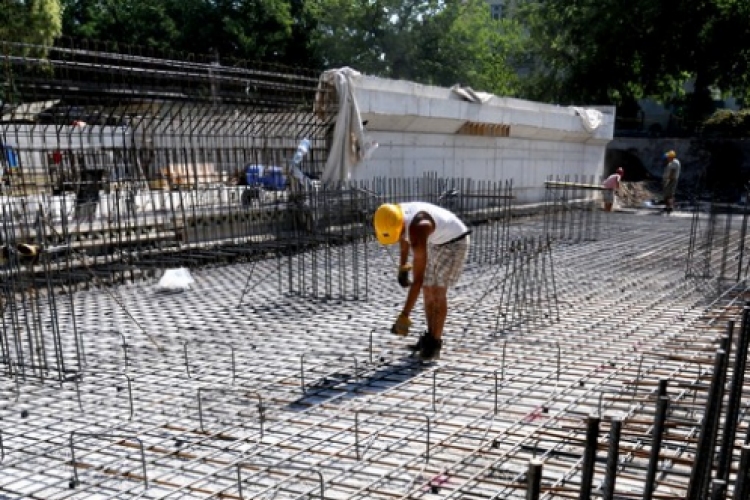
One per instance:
(424,129)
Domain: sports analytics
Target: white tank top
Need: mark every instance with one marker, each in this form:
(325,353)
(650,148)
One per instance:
(447,225)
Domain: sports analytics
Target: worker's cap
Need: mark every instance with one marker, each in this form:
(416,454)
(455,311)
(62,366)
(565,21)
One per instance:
(388,222)
(670,155)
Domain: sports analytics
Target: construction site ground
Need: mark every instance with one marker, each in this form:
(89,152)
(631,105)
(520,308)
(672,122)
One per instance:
(194,395)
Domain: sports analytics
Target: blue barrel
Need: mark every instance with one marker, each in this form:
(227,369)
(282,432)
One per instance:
(10,156)
(254,174)
(274,179)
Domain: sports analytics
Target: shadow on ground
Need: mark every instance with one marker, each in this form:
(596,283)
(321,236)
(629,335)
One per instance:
(341,385)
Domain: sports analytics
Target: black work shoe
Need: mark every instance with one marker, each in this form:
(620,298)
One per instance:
(420,341)
(418,346)
(430,348)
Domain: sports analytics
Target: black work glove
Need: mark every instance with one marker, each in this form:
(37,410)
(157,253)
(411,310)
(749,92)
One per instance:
(403,276)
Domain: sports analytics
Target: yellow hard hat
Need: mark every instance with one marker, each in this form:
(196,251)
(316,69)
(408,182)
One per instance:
(388,222)
(670,154)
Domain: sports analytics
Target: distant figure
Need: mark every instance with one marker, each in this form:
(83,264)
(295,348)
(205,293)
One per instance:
(669,181)
(611,187)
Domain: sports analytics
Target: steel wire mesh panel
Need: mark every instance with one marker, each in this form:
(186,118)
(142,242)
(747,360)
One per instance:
(572,208)
(327,254)
(130,155)
(327,248)
(484,206)
(38,333)
(718,234)
(527,289)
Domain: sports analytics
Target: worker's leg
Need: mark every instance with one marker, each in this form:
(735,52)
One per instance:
(435,309)
(669,192)
(444,267)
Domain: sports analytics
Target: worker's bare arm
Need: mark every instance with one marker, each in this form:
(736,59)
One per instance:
(419,231)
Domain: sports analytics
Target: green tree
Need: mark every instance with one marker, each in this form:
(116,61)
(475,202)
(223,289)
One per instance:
(462,44)
(122,22)
(248,29)
(610,51)
(30,21)
(440,42)
(242,29)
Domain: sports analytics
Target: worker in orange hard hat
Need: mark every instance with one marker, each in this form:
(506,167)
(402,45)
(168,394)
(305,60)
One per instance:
(670,179)
(439,243)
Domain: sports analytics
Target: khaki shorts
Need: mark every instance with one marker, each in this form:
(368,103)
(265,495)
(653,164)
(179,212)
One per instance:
(445,263)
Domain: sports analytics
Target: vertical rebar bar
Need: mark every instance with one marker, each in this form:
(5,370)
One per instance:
(704,453)
(534,479)
(718,489)
(734,400)
(742,483)
(589,456)
(613,456)
(660,417)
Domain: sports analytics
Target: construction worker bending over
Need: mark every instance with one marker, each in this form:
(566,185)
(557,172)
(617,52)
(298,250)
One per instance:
(439,244)
(611,187)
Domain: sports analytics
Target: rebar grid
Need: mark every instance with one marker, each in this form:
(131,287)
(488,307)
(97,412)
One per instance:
(493,403)
(718,234)
(572,208)
(317,237)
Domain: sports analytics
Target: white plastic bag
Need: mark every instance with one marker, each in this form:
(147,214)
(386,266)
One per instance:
(175,280)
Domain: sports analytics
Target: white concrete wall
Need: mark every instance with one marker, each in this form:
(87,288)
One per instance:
(415,126)
(527,162)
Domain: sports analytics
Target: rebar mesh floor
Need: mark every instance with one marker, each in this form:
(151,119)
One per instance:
(282,396)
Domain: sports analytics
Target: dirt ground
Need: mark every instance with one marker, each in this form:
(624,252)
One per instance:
(634,194)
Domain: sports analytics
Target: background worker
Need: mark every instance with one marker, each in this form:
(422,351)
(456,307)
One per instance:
(611,187)
(439,244)
(669,181)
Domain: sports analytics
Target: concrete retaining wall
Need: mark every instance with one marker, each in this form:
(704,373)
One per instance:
(422,129)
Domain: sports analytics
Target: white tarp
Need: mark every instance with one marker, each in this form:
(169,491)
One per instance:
(591,119)
(349,145)
(471,95)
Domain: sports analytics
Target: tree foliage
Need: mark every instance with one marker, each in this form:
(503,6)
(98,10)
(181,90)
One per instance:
(612,51)
(245,29)
(30,21)
(432,41)
(563,51)
(441,42)
(728,124)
